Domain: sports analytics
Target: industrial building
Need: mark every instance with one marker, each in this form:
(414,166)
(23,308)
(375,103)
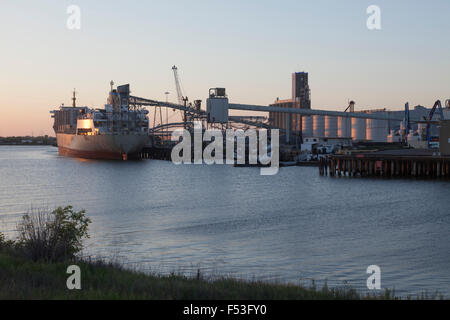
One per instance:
(326,126)
(301,99)
(444,138)
(300,89)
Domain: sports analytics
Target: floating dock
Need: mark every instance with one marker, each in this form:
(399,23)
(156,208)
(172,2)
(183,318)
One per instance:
(389,163)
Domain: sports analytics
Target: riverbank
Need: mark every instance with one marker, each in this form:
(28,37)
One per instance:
(255,227)
(23,279)
(28,141)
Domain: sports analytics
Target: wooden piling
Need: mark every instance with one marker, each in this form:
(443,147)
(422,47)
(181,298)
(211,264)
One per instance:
(386,166)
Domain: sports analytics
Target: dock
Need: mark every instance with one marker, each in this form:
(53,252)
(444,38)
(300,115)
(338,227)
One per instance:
(389,163)
(162,152)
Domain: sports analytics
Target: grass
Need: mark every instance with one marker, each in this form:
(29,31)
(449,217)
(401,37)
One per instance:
(34,266)
(22,278)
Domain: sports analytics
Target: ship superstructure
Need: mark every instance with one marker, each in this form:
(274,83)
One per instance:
(118,131)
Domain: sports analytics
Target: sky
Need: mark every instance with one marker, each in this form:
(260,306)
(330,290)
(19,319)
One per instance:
(250,47)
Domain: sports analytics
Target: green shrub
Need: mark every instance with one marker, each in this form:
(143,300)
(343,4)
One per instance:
(6,245)
(54,236)
(2,240)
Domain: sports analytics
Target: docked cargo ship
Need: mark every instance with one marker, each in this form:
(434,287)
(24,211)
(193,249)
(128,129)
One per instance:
(117,132)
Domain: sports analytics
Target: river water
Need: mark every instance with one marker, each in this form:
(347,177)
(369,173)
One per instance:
(291,227)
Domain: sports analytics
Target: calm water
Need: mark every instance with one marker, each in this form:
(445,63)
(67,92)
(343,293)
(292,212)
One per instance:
(290,227)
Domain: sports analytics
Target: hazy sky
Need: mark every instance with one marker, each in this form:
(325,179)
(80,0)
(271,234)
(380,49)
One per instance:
(251,47)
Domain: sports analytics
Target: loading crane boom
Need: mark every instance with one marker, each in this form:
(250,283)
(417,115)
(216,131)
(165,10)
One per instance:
(351,107)
(181,99)
(437,105)
(178,85)
(407,123)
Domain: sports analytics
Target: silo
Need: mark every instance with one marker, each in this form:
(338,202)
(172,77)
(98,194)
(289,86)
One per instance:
(331,127)
(344,127)
(319,126)
(394,136)
(307,126)
(358,129)
(376,130)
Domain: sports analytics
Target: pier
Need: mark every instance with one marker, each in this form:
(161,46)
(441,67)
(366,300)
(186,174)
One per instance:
(392,163)
(156,152)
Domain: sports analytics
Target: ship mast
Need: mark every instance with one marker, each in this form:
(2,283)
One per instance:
(74,99)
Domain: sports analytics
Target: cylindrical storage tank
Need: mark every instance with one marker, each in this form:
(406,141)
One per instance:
(307,126)
(393,136)
(331,127)
(344,127)
(319,126)
(358,129)
(376,130)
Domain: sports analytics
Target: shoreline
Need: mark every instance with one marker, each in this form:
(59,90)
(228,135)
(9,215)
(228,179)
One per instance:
(27,145)
(24,279)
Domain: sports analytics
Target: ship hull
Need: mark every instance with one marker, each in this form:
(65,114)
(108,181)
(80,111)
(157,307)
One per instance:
(104,147)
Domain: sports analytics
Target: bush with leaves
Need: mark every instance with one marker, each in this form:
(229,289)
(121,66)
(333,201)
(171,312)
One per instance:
(53,236)
(2,240)
(5,244)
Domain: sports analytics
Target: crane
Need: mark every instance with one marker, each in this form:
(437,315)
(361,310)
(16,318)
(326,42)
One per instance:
(181,99)
(406,122)
(178,85)
(351,107)
(437,105)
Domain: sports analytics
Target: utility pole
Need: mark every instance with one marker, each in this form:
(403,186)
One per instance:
(167,114)
(185,100)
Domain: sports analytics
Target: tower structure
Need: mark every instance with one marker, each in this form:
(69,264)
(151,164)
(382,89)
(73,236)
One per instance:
(300,90)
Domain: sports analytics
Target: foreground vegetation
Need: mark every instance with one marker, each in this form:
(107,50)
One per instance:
(34,266)
(24,279)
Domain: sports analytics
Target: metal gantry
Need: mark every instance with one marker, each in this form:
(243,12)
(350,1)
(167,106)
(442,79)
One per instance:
(194,113)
